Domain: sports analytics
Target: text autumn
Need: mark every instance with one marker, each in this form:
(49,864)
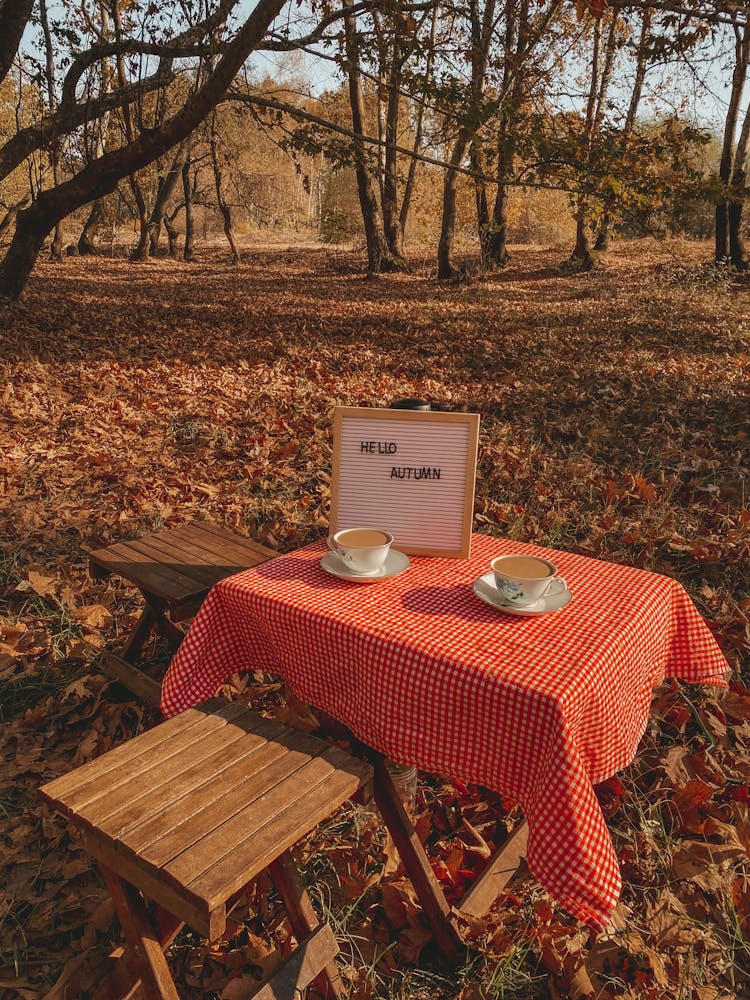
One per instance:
(410,472)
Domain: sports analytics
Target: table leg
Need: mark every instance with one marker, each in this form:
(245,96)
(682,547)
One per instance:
(415,861)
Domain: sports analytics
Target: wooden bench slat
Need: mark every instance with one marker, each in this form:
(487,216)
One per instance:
(231,836)
(143,795)
(142,819)
(221,547)
(278,830)
(145,765)
(175,828)
(207,853)
(164,809)
(182,539)
(60,787)
(204,576)
(219,540)
(231,559)
(217,806)
(162,581)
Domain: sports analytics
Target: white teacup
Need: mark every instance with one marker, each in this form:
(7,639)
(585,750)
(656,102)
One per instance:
(523,580)
(362,550)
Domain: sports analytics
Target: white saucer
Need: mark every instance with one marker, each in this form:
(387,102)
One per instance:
(395,563)
(485,589)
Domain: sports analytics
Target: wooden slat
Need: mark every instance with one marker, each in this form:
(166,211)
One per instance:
(145,766)
(164,811)
(180,541)
(126,561)
(56,790)
(500,869)
(244,846)
(164,553)
(146,795)
(213,549)
(206,529)
(181,823)
(302,966)
(179,900)
(190,847)
(222,549)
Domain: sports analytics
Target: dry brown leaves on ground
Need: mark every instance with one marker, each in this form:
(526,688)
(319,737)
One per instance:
(614,423)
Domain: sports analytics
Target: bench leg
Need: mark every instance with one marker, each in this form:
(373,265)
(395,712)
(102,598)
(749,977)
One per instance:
(303,918)
(138,636)
(164,624)
(416,863)
(145,952)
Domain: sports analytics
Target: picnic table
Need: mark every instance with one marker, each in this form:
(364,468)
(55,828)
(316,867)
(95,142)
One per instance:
(540,709)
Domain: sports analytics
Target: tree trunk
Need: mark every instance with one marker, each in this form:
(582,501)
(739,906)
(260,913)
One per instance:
(482,26)
(604,232)
(446,267)
(582,255)
(14,15)
(607,222)
(140,251)
(391,219)
(582,251)
(480,201)
(101,177)
(737,253)
(224,207)
(379,257)
(409,186)
(495,239)
(56,249)
(172,235)
(188,252)
(739,75)
(87,239)
(167,184)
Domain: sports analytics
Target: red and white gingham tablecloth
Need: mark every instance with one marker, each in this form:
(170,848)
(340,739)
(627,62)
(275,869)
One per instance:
(539,709)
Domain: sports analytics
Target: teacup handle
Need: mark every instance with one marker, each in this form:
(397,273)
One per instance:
(556,579)
(332,544)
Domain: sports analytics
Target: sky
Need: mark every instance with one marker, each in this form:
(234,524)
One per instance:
(704,100)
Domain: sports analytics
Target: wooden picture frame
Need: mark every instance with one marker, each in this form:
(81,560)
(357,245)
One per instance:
(410,472)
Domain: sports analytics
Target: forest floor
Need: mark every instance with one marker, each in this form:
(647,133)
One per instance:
(614,423)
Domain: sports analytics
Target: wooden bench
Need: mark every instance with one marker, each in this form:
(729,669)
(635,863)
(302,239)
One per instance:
(174,569)
(187,814)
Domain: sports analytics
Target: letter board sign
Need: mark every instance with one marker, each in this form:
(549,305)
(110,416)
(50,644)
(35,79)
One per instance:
(409,472)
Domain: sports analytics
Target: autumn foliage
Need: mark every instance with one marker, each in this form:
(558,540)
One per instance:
(614,423)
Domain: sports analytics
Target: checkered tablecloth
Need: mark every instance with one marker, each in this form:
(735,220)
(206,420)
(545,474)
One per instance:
(540,709)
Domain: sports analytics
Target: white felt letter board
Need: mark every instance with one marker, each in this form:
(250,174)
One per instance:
(409,472)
